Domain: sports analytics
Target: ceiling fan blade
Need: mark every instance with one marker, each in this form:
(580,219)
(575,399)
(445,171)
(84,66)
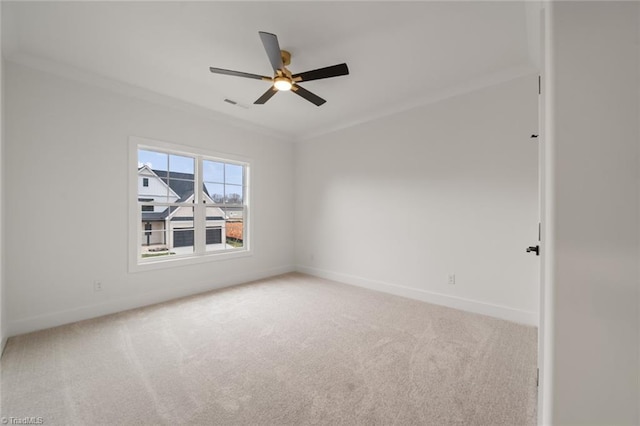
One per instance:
(238,74)
(311,97)
(271,45)
(326,72)
(266,96)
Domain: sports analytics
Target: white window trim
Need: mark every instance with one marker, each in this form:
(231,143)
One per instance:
(134,240)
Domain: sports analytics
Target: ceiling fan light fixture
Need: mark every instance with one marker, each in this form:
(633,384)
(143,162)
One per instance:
(282,83)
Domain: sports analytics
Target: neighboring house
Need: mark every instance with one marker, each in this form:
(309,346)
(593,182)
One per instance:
(170,227)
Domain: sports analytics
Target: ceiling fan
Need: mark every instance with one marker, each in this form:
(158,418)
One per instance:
(282,78)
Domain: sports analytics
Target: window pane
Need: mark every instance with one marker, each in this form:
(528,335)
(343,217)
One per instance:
(215,236)
(234,227)
(150,212)
(215,214)
(155,189)
(180,164)
(182,239)
(215,192)
(181,190)
(234,213)
(212,171)
(233,174)
(233,194)
(181,234)
(153,238)
(153,160)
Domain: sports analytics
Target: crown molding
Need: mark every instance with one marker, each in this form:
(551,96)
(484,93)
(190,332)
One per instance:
(129,90)
(470,86)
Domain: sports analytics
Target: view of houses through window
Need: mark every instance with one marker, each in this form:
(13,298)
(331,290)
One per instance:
(189,204)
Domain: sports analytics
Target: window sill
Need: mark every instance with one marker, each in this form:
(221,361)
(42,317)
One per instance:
(152,264)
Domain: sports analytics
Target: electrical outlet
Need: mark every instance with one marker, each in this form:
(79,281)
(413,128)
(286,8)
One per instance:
(451,279)
(97,285)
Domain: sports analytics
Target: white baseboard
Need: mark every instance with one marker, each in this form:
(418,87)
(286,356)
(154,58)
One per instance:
(497,311)
(55,319)
(3,344)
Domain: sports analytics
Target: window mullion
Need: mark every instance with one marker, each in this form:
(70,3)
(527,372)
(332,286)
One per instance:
(199,213)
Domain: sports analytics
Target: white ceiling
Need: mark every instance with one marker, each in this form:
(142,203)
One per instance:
(400,54)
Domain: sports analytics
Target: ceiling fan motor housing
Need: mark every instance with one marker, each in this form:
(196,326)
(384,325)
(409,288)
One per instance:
(286,57)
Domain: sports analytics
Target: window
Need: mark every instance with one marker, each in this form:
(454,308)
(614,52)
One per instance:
(189,205)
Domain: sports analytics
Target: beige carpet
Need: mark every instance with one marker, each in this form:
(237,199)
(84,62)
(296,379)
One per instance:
(284,351)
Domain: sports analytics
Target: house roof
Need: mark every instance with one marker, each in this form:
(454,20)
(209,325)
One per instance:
(154,216)
(180,183)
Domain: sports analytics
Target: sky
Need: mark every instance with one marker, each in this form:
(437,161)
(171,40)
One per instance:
(213,171)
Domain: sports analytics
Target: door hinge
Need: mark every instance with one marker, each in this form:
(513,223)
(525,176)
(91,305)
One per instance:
(537,377)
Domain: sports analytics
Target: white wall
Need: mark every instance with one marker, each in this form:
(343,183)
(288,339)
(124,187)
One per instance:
(67,144)
(593,133)
(398,203)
